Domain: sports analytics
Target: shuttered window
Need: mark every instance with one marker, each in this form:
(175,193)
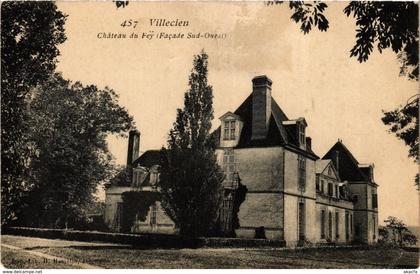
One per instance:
(302,172)
(374,200)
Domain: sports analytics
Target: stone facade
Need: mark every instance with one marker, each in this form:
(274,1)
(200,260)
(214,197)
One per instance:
(290,193)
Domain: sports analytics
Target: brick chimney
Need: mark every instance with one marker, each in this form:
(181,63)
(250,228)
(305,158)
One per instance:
(308,143)
(261,106)
(133,146)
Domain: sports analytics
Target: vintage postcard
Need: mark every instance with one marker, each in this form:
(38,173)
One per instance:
(209,135)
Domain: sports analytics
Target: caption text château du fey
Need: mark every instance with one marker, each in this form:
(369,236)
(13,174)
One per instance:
(138,31)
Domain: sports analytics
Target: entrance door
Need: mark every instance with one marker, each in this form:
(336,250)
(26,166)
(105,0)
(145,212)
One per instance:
(301,221)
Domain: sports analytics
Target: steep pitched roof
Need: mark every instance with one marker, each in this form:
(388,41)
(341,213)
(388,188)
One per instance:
(277,135)
(348,166)
(148,159)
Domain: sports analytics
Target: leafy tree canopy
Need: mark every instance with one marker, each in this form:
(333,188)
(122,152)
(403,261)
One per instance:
(396,233)
(30,34)
(378,23)
(70,156)
(404,123)
(136,205)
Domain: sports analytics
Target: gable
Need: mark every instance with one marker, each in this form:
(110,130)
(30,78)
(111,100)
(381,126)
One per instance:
(348,169)
(230,116)
(327,168)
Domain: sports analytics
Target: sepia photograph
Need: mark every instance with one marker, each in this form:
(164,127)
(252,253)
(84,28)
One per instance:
(209,135)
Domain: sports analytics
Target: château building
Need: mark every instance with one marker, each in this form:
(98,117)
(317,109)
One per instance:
(287,192)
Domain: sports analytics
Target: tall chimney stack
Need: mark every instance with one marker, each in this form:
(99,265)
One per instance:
(308,142)
(133,146)
(261,106)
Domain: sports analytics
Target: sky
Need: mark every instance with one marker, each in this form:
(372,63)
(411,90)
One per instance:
(313,77)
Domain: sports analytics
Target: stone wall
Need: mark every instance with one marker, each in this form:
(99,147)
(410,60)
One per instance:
(366,218)
(112,198)
(340,207)
(260,170)
(261,210)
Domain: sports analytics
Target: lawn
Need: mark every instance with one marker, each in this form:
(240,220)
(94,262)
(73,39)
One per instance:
(124,256)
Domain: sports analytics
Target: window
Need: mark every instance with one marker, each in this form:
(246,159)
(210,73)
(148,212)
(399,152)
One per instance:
(329,225)
(301,221)
(337,194)
(226,212)
(301,128)
(351,224)
(322,186)
(355,198)
(322,224)
(337,225)
(154,177)
(229,130)
(318,187)
(229,164)
(374,200)
(302,172)
(347,225)
(330,189)
(374,226)
(136,177)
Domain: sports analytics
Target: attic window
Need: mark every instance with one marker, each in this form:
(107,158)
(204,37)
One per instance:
(229,130)
(154,177)
(136,177)
(301,128)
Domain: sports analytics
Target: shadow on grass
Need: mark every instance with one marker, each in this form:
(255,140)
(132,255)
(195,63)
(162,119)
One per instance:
(102,247)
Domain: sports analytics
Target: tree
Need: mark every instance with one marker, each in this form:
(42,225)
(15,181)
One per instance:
(404,123)
(70,153)
(191,180)
(121,177)
(396,233)
(136,205)
(384,25)
(387,24)
(30,33)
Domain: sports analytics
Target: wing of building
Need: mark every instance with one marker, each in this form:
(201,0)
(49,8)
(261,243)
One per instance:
(286,191)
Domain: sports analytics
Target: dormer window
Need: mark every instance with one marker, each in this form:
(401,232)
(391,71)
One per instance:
(229,130)
(154,177)
(301,129)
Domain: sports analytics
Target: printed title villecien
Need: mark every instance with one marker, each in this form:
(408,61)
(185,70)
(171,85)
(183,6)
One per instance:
(168,23)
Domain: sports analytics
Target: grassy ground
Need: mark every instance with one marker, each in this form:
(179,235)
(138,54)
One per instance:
(123,256)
